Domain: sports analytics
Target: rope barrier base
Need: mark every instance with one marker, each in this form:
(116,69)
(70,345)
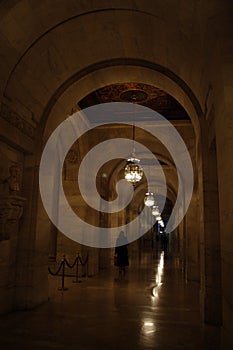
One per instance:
(61,288)
(76,281)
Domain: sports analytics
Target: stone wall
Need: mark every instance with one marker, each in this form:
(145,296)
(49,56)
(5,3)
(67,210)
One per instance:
(11,211)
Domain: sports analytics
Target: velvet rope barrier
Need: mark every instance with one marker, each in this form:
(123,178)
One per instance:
(62,266)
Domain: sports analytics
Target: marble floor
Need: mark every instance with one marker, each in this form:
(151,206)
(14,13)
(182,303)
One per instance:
(152,307)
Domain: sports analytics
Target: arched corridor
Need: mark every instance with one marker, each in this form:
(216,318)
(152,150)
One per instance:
(67,62)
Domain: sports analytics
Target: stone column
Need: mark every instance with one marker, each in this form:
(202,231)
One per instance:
(210,254)
(182,245)
(192,240)
(224,143)
(105,254)
(31,284)
(11,211)
(53,243)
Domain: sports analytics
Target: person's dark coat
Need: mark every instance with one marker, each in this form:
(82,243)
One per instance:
(122,256)
(121,251)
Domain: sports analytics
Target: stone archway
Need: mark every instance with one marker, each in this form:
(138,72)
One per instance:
(51,73)
(189,46)
(76,90)
(55,112)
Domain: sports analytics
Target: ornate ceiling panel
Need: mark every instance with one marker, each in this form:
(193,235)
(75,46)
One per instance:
(146,95)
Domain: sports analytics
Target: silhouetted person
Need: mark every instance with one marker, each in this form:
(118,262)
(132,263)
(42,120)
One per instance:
(121,252)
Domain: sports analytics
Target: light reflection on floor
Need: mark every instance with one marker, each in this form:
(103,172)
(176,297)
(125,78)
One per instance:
(152,307)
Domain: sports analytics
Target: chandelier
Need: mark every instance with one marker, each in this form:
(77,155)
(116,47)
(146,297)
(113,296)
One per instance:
(133,170)
(149,199)
(155,210)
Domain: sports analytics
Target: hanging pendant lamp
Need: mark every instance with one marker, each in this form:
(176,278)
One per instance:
(155,210)
(149,199)
(133,170)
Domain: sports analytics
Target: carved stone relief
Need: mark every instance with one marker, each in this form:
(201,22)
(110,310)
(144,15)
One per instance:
(11,210)
(11,185)
(11,202)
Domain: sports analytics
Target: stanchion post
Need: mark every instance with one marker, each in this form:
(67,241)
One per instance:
(63,275)
(87,259)
(77,263)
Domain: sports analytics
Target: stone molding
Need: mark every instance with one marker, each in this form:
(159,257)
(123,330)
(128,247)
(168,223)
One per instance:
(17,121)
